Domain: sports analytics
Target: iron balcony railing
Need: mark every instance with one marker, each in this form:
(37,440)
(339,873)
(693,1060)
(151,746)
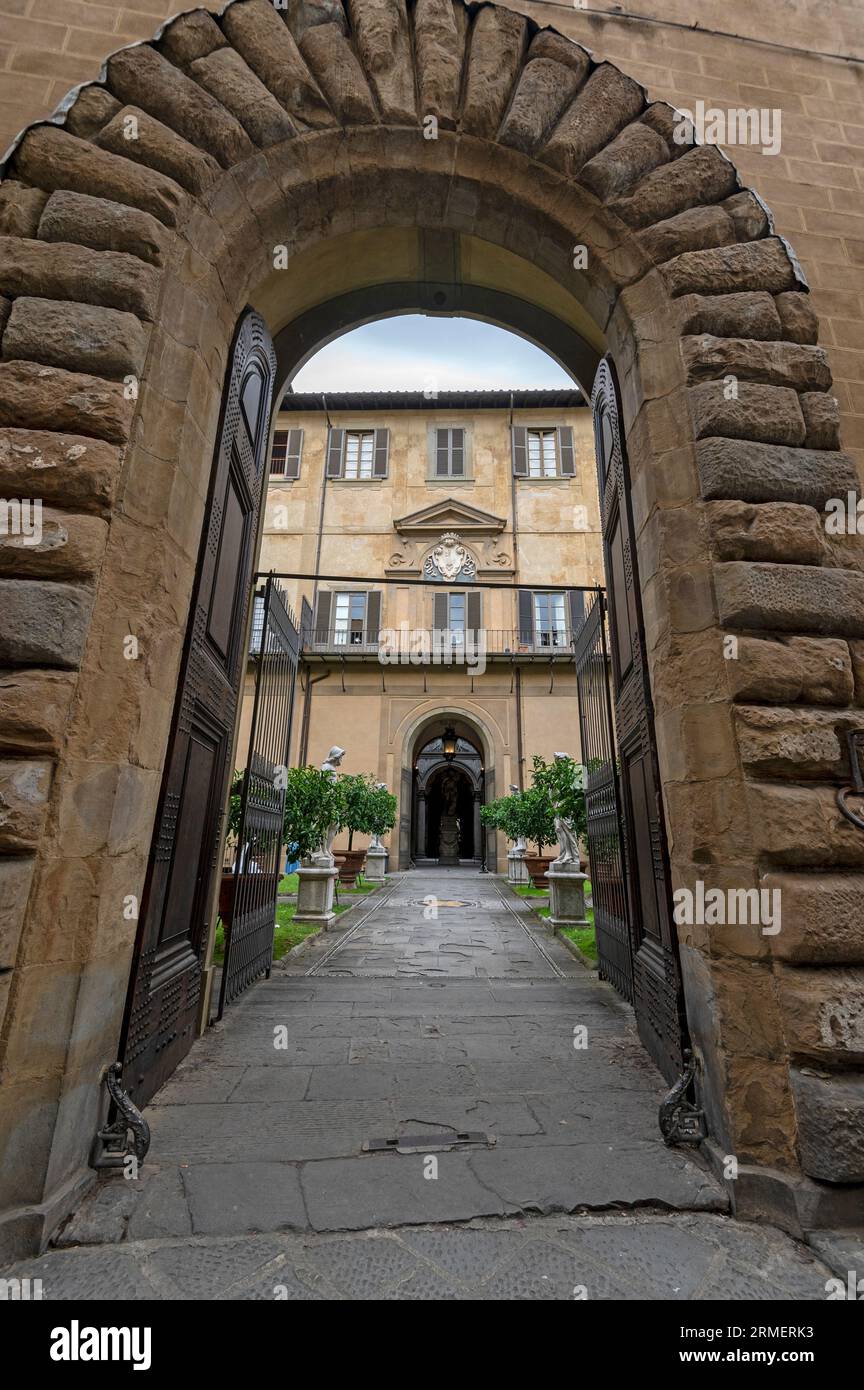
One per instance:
(457,644)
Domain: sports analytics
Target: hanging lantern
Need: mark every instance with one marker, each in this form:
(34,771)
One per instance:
(448,743)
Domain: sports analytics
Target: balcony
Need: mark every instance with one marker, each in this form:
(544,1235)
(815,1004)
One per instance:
(406,646)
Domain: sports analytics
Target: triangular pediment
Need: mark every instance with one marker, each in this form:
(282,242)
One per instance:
(449,515)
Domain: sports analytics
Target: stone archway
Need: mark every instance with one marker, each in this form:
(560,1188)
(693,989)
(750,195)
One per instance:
(165,197)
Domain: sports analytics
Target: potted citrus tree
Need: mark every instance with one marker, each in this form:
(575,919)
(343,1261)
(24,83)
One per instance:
(357,793)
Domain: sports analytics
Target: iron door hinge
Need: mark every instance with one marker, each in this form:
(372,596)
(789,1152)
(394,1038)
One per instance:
(682,1122)
(111,1146)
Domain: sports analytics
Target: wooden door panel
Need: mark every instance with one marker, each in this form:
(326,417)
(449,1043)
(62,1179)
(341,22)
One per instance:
(165,986)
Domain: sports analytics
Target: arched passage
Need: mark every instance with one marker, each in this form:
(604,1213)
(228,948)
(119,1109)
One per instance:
(247,153)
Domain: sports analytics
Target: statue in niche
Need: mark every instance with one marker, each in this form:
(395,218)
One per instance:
(450,794)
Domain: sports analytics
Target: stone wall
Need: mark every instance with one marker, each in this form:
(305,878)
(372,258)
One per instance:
(129,259)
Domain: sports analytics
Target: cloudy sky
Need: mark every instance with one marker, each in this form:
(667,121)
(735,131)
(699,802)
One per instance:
(415,353)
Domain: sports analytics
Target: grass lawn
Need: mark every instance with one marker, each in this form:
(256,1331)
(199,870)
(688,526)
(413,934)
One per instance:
(285,934)
(583,937)
(527,890)
(288,883)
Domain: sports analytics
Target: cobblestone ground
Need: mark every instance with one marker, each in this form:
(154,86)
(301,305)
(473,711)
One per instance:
(264,1180)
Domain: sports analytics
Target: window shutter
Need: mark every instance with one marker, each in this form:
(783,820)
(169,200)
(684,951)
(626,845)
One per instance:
(526,616)
(520,451)
(335,453)
(293,452)
(440,616)
(566,455)
(576,603)
(322,617)
(305,622)
(442,453)
(373,615)
(457,453)
(473,612)
(382,450)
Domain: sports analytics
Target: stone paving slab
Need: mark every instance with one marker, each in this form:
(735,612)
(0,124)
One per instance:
(649,1255)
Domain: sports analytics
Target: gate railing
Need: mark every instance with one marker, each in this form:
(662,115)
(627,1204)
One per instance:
(603,803)
(248,899)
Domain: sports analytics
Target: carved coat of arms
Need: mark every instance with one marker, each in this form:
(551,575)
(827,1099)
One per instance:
(449,560)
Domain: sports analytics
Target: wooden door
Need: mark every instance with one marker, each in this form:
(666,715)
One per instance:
(657,991)
(165,985)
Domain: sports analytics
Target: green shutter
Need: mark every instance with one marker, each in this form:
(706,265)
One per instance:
(566,454)
(322,617)
(440,617)
(293,452)
(473,612)
(382,450)
(335,453)
(520,451)
(526,617)
(373,615)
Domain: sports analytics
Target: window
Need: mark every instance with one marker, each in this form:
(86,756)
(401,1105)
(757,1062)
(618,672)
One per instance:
(543,452)
(455,614)
(449,452)
(347,619)
(357,454)
(549,621)
(285,459)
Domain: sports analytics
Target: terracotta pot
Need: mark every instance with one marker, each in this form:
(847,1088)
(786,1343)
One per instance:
(537,864)
(227,887)
(350,862)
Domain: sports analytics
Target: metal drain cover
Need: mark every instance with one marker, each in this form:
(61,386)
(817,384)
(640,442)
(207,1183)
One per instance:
(428,1143)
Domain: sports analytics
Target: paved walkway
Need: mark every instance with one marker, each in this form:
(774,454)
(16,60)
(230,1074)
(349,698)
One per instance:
(335,1099)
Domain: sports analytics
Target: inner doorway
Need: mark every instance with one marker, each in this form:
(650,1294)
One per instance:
(448,785)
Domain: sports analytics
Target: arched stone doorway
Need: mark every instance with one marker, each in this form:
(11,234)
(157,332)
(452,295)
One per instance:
(448,792)
(549,179)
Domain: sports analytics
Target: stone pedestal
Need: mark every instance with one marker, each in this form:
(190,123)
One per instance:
(448,845)
(315,889)
(566,898)
(376,862)
(516,871)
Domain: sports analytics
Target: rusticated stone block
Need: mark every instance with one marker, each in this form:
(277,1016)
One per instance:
(745,315)
(61,270)
(821,413)
(830,1112)
(90,111)
(548,44)
(34,397)
(51,158)
(778,531)
(678,133)
(34,709)
(630,156)
(160,148)
(495,56)
(339,74)
(191,36)
(543,91)
(262,38)
(439,41)
(604,106)
(767,414)
(71,547)
(823,1014)
(693,230)
(381,33)
(225,75)
(79,337)
(748,216)
(777,742)
(700,176)
(798,317)
(304,15)
(758,265)
(776,363)
(16,876)
(790,598)
(822,918)
(772,472)
(142,77)
(814,670)
(103,226)
(24,790)
(801,827)
(66,468)
(20,208)
(45,624)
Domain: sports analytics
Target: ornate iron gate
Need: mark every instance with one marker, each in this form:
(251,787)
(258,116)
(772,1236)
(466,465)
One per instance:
(250,909)
(658,997)
(603,802)
(163,1000)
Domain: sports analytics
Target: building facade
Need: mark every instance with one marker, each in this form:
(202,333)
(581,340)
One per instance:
(405,511)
